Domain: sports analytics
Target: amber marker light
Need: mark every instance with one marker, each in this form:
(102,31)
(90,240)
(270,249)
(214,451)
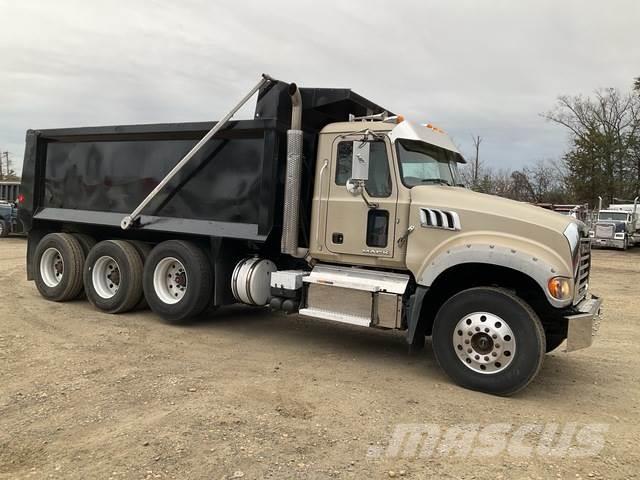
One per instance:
(559,288)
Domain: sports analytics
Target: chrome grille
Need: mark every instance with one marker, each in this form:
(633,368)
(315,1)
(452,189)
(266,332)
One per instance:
(604,231)
(584,267)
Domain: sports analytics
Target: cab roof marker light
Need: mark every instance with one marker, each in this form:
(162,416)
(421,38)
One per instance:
(434,128)
(394,119)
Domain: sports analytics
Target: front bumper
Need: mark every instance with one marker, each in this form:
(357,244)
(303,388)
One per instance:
(607,242)
(583,323)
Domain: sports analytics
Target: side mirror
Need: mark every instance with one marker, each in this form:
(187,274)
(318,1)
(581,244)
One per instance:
(354,187)
(360,160)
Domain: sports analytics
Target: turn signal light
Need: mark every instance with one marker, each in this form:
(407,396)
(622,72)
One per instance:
(559,288)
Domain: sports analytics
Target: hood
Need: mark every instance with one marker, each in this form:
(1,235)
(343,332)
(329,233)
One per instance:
(618,225)
(479,211)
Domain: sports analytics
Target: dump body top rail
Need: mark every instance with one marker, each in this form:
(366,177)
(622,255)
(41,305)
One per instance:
(231,188)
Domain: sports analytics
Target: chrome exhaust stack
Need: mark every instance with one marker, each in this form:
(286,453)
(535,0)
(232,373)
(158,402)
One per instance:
(291,214)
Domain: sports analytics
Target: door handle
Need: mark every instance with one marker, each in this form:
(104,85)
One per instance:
(324,167)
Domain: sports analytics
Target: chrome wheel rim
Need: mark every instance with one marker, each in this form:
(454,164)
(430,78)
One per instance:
(484,342)
(105,277)
(170,280)
(51,267)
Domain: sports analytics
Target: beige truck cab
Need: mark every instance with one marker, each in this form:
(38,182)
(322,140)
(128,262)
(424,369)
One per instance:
(398,242)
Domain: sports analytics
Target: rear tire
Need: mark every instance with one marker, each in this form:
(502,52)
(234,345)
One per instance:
(490,340)
(144,249)
(87,243)
(178,281)
(4,229)
(113,276)
(58,264)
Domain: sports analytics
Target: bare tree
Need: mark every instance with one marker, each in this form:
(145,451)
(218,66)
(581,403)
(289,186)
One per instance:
(477,140)
(6,169)
(604,133)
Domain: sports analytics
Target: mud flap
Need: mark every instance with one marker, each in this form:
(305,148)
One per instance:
(415,332)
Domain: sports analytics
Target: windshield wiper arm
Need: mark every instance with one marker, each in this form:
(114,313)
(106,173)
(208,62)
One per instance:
(441,181)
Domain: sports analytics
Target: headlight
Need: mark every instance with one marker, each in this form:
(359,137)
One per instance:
(619,236)
(592,234)
(560,288)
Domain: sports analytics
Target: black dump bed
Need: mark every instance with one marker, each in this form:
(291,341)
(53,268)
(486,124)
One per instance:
(231,188)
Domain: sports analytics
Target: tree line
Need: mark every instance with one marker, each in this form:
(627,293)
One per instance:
(603,158)
(7,173)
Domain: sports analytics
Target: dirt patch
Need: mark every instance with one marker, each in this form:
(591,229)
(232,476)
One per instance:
(247,394)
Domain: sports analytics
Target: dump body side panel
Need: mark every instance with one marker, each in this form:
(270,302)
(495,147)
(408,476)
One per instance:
(99,175)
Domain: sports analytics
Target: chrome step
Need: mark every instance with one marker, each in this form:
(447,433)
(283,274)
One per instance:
(335,316)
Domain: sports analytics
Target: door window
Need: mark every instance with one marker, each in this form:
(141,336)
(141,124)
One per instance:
(377,228)
(379,183)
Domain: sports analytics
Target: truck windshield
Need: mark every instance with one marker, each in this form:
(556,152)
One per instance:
(618,216)
(424,164)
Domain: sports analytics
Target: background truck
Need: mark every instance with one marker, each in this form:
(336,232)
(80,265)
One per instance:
(9,191)
(618,226)
(577,211)
(9,219)
(324,204)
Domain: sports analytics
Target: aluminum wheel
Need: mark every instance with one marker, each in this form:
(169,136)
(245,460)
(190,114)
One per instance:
(484,342)
(170,280)
(51,267)
(105,277)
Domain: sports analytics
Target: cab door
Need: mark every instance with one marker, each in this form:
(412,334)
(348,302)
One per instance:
(353,227)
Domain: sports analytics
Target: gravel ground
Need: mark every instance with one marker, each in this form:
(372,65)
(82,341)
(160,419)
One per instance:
(246,394)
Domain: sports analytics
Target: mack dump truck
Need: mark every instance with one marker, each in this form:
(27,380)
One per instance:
(325,205)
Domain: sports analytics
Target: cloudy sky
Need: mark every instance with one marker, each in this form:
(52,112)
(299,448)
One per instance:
(485,68)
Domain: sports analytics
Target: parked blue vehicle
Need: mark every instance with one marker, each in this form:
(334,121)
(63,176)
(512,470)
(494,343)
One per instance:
(9,219)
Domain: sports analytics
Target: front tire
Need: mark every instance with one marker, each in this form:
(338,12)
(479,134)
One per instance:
(178,281)
(490,340)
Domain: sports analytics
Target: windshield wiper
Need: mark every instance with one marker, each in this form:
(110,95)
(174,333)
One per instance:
(441,181)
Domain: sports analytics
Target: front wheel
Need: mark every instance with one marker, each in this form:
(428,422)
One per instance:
(490,340)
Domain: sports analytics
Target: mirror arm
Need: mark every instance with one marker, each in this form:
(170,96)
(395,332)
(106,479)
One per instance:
(371,205)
